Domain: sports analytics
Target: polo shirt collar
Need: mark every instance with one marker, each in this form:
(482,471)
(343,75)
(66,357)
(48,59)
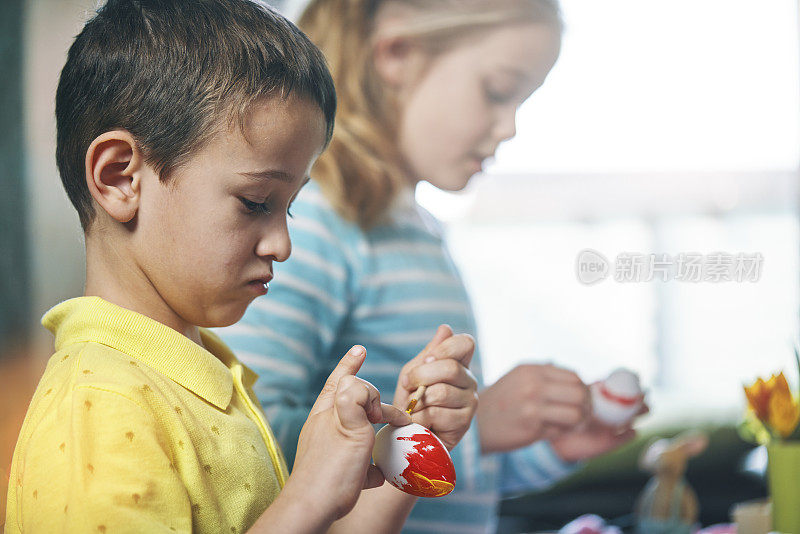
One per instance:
(207,373)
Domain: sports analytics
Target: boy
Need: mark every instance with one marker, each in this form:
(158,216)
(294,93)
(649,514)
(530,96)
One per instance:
(185,129)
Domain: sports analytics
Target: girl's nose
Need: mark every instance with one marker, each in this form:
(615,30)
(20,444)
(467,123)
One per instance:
(506,123)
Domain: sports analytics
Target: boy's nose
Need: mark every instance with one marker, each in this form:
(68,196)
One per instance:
(275,243)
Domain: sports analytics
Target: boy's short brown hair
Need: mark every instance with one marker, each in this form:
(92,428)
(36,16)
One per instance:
(167,71)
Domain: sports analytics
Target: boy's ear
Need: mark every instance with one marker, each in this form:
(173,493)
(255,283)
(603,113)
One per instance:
(397,60)
(112,164)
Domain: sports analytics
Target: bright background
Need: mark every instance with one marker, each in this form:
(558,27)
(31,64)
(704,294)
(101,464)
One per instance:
(663,128)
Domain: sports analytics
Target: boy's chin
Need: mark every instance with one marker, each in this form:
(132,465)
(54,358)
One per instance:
(224,315)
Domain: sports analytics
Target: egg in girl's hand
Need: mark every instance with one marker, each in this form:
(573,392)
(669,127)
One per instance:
(618,398)
(414,460)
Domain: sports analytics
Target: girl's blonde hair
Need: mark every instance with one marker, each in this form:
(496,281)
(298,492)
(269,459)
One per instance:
(361,171)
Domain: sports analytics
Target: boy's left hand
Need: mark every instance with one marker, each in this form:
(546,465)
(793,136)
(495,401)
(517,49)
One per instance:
(451,397)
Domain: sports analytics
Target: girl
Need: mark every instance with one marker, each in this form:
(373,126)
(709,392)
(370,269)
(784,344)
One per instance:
(427,90)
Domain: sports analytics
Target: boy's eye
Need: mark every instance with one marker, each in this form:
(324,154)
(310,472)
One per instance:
(256,207)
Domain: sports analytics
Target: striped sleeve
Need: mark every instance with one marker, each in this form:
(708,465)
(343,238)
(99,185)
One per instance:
(286,336)
(535,467)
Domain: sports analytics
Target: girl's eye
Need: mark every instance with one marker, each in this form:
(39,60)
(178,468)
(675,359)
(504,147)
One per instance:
(255,208)
(496,96)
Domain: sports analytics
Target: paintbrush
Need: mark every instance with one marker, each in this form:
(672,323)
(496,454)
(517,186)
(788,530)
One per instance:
(415,397)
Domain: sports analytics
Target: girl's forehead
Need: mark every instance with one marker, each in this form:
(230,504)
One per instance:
(515,50)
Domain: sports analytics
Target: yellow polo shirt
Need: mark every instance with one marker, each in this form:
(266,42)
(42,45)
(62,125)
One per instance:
(135,428)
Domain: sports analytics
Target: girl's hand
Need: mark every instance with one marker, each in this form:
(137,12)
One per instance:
(530,403)
(593,439)
(451,397)
(333,464)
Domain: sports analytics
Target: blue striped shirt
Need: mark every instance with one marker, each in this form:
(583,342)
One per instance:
(387,289)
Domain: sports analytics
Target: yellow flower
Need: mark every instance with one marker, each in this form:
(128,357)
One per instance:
(784,412)
(758,397)
(773,404)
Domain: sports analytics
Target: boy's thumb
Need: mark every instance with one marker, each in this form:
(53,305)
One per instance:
(349,365)
(443,332)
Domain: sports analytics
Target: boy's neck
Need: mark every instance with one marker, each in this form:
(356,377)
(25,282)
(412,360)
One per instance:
(117,279)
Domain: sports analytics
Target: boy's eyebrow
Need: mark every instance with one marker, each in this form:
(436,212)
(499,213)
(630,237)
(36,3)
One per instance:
(268,175)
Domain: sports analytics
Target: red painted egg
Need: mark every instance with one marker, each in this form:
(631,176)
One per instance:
(414,460)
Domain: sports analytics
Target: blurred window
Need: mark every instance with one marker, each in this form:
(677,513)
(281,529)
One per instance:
(665,127)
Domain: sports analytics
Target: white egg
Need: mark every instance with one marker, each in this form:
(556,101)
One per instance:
(618,398)
(414,460)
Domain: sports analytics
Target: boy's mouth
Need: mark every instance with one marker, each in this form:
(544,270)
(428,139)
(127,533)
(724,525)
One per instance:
(260,285)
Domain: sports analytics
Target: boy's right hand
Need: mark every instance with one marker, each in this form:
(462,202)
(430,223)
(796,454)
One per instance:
(450,401)
(333,464)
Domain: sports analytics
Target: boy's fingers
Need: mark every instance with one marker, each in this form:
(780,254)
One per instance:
(349,365)
(373,407)
(353,401)
(443,332)
(460,348)
(432,417)
(393,416)
(441,371)
(358,403)
(447,396)
(374,478)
